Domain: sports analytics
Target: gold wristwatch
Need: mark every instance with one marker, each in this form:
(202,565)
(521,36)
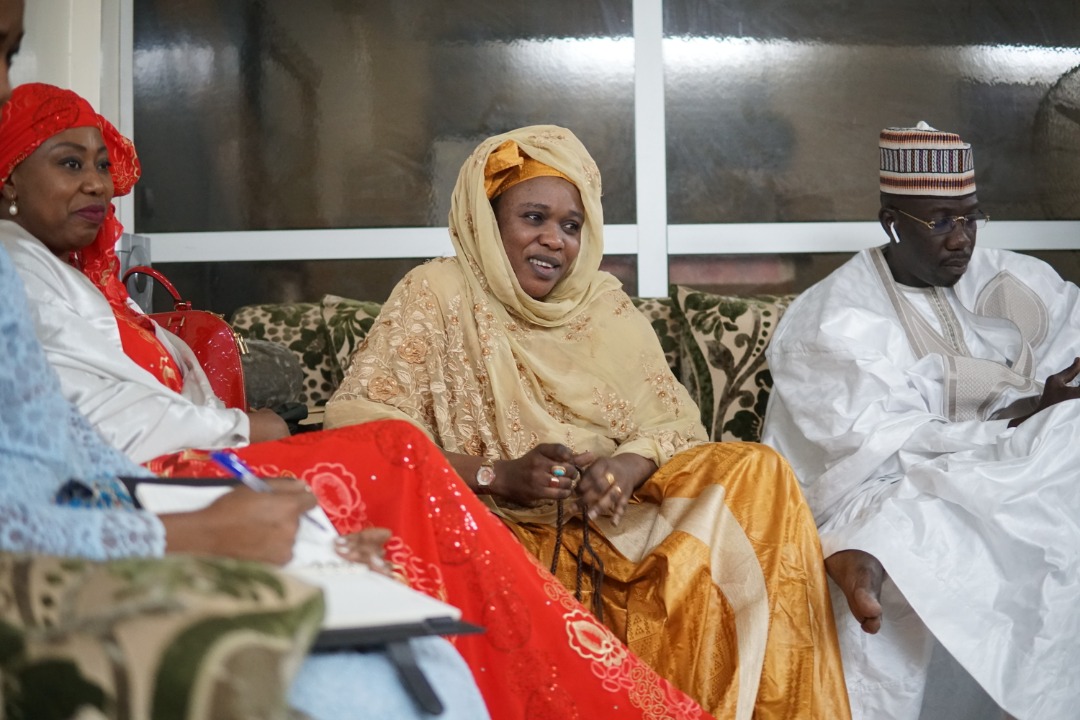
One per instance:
(485,474)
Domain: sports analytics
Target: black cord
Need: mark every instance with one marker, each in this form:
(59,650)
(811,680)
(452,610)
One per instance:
(597,568)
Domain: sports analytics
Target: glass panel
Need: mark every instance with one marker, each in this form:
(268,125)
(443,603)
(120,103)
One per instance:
(278,114)
(783,274)
(774,109)
(224,286)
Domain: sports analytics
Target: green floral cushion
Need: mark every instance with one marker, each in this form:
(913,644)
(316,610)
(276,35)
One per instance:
(173,638)
(666,326)
(723,358)
(299,327)
(347,323)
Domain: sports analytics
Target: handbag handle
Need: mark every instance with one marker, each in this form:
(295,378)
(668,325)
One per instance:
(178,304)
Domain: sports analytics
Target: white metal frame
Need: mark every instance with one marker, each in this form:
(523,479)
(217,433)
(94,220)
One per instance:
(651,239)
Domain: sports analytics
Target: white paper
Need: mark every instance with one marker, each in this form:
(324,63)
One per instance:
(355,596)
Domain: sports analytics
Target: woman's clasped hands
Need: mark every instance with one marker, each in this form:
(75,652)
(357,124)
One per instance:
(551,471)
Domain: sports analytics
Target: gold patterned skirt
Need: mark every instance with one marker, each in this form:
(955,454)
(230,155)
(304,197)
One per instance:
(714,577)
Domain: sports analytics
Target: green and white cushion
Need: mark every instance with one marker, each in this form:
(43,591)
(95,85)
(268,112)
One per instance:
(723,358)
(346,323)
(665,324)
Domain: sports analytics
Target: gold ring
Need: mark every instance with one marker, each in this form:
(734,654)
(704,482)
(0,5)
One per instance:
(554,481)
(610,477)
(619,489)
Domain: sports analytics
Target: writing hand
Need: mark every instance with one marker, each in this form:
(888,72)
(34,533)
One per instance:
(243,524)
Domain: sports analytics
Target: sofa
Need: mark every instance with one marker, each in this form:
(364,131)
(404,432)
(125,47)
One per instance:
(715,345)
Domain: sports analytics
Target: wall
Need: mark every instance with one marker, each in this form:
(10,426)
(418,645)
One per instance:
(63,46)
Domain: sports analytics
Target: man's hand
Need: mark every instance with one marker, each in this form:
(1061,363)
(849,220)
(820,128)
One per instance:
(860,575)
(1058,388)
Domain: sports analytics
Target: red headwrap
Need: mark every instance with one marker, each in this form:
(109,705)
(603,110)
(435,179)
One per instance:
(34,114)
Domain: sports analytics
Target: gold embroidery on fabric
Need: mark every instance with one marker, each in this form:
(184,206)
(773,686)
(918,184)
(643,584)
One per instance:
(617,411)
(478,274)
(663,383)
(623,304)
(557,410)
(515,443)
(591,173)
(523,374)
(382,388)
(578,329)
(474,445)
(469,384)
(413,350)
(521,329)
(544,139)
(485,322)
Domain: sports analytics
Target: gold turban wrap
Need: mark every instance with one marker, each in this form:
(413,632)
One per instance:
(507,166)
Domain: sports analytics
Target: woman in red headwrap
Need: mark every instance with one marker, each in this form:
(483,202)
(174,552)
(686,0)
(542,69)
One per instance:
(542,655)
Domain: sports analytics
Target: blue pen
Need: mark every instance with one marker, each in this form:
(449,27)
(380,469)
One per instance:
(244,474)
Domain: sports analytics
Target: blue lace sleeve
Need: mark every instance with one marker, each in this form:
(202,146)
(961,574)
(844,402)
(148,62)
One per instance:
(44,443)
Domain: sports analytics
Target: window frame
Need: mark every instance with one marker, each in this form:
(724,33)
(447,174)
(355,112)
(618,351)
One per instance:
(652,239)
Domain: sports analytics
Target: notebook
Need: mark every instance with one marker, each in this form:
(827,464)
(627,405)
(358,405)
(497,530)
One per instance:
(362,606)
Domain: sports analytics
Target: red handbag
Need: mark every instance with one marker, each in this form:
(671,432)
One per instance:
(216,345)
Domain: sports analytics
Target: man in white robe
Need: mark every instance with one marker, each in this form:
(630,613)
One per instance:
(923,395)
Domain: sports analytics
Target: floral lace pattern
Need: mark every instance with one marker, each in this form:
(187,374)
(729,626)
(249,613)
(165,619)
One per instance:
(44,443)
(432,354)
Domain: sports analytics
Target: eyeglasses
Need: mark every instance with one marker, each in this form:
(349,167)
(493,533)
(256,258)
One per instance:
(943,226)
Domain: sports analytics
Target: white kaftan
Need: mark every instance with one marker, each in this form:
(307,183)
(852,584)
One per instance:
(78,331)
(892,404)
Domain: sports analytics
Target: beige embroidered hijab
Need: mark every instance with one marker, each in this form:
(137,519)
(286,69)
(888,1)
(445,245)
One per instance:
(476,238)
(463,352)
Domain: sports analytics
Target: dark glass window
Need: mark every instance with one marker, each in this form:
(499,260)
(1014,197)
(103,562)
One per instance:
(774,108)
(278,114)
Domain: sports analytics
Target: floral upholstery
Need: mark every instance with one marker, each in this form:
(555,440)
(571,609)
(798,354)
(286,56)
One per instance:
(165,638)
(666,326)
(714,345)
(723,358)
(347,323)
(299,327)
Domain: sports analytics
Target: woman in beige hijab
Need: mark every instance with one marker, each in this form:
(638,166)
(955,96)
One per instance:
(549,394)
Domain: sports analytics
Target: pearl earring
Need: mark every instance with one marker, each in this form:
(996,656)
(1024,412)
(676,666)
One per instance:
(13,208)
